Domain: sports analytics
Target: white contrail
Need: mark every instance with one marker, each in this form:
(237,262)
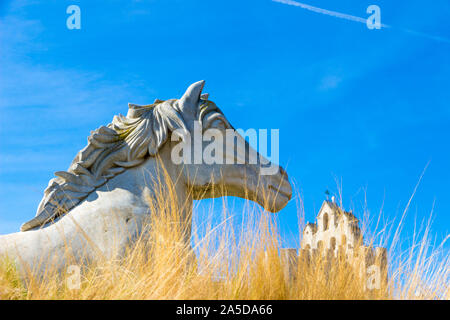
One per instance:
(325,11)
(355,18)
(429,36)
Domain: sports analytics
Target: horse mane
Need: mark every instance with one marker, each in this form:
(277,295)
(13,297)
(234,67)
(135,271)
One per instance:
(125,143)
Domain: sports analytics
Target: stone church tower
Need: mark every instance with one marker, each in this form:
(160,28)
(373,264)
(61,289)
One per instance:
(335,229)
(337,232)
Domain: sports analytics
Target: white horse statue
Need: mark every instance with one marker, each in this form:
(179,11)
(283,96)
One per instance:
(98,206)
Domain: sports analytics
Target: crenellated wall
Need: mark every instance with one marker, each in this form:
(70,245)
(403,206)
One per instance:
(337,235)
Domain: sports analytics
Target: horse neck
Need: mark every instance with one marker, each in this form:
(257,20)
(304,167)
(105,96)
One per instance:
(158,174)
(143,182)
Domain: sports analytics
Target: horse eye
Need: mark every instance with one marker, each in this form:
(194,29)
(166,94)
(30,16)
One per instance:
(218,124)
(216,121)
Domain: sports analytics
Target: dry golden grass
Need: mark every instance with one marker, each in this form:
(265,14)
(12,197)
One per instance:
(230,264)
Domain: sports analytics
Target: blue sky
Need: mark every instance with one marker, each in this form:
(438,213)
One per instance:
(367,107)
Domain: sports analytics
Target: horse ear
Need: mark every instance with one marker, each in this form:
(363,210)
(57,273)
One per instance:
(192,95)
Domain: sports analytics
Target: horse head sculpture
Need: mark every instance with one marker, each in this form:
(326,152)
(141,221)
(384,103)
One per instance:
(119,170)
